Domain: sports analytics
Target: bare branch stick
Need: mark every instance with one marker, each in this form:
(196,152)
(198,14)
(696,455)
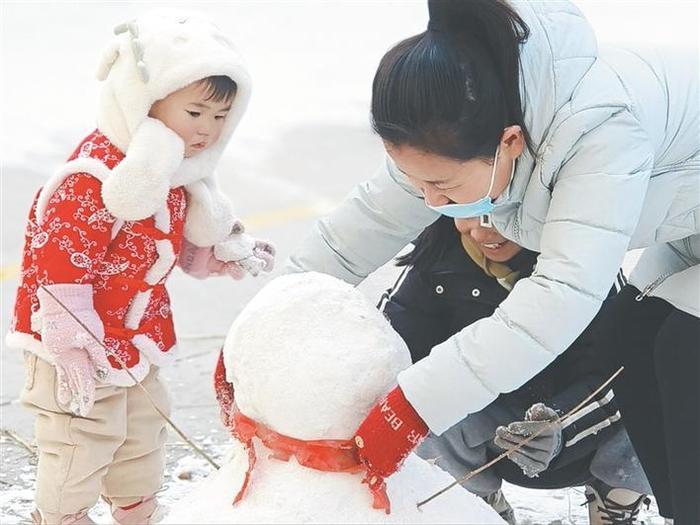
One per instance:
(15,438)
(505,454)
(136,382)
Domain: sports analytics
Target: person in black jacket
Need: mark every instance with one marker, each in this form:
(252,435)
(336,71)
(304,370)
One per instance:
(460,271)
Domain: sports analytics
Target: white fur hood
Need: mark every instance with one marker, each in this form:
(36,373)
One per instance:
(149,58)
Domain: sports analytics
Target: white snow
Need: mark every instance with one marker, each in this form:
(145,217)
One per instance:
(308,357)
(532,507)
(284,492)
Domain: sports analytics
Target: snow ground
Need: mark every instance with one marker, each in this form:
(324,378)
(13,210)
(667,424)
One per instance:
(304,143)
(533,507)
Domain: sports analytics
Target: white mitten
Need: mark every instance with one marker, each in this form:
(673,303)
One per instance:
(251,254)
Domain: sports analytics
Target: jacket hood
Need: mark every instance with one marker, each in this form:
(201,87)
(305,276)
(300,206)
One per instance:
(149,58)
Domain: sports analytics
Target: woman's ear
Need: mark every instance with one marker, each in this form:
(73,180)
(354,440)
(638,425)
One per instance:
(513,141)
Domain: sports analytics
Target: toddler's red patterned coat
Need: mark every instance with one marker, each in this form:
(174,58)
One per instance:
(72,238)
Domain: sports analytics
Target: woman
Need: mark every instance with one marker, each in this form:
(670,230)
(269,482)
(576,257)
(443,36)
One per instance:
(512,114)
(459,272)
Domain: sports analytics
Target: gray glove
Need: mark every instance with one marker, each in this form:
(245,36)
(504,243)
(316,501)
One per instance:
(536,455)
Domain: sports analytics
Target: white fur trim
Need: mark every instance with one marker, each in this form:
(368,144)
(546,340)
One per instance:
(210,216)
(137,308)
(22,341)
(150,350)
(139,184)
(116,227)
(179,48)
(165,261)
(162,218)
(80,165)
(122,378)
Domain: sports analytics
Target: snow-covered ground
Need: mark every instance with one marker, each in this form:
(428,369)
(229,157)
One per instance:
(303,144)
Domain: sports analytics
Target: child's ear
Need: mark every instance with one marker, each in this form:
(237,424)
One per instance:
(109,57)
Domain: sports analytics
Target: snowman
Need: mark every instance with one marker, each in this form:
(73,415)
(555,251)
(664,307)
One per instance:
(308,358)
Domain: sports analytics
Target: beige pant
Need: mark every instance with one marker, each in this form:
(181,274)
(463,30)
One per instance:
(117,451)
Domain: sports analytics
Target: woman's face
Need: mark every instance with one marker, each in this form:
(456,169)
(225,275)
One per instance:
(444,180)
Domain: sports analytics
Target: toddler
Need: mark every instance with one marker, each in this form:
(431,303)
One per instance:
(137,196)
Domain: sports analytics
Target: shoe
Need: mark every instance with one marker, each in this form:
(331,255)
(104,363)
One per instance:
(47,518)
(613,506)
(145,512)
(500,504)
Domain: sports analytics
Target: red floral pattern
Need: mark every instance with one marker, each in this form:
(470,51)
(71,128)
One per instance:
(73,244)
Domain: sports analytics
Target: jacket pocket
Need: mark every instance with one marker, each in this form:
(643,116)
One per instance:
(40,385)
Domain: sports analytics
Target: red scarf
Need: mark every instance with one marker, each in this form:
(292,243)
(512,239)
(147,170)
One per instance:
(327,455)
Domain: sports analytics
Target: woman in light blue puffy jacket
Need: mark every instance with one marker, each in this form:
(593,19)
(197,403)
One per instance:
(514,117)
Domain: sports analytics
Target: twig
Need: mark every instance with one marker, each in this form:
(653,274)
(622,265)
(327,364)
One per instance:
(136,382)
(194,337)
(12,436)
(199,405)
(192,356)
(509,451)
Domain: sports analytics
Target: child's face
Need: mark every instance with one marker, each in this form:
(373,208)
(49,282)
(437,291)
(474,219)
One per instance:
(195,119)
(492,244)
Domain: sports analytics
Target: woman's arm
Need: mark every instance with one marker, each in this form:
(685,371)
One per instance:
(596,203)
(375,221)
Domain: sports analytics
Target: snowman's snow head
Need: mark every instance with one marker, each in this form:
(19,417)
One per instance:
(310,355)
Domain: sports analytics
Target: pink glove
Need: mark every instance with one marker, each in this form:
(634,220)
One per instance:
(200,263)
(78,358)
(235,256)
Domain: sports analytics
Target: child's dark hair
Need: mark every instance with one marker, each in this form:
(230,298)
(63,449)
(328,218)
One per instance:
(431,245)
(220,88)
(435,241)
(452,89)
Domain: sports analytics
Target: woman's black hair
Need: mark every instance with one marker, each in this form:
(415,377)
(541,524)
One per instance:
(452,89)
(431,245)
(220,88)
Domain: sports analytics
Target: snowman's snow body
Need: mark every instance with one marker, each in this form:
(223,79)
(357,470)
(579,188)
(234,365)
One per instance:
(308,358)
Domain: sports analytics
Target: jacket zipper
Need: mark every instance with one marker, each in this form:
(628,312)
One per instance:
(652,286)
(516,227)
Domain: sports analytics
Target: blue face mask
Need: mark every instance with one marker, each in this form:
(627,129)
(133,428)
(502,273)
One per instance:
(480,208)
